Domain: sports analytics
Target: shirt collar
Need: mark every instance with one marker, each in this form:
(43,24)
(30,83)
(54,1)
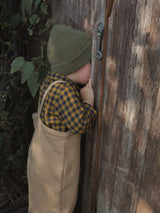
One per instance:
(56,76)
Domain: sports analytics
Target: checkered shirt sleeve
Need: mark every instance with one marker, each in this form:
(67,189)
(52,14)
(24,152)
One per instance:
(77,116)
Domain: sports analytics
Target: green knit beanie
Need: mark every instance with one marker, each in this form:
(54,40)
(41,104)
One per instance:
(68,49)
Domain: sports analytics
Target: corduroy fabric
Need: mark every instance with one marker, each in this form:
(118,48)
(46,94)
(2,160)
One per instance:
(68,49)
(52,168)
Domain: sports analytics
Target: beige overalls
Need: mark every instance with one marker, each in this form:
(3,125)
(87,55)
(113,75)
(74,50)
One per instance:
(52,168)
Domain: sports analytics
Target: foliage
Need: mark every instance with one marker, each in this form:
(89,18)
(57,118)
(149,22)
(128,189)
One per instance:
(28,73)
(20,78)
(32,22)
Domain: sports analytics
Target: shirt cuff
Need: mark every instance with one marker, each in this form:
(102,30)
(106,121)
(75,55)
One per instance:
(87,104)
(90,107)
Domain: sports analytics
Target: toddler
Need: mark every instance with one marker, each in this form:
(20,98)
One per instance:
(65,112)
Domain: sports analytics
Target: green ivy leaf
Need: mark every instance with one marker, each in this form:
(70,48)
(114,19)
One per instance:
(17,64)
(33,83)
(44,8)
(30,31)
(27,70)
(34,19)
(15,20)
(37,3)
(27,4)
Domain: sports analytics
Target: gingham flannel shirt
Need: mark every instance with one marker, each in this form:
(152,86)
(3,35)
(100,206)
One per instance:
(62,109)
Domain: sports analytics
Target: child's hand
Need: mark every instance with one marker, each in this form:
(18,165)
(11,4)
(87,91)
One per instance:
(87,93)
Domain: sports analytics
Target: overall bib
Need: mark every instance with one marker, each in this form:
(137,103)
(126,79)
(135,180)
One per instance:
(52,167)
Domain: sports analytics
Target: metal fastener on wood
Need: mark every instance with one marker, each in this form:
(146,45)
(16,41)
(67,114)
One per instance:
(99,29)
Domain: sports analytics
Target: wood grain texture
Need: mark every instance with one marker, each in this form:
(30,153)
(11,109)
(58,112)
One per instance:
(129,167)
(128,153)
(89,171)
(78,14)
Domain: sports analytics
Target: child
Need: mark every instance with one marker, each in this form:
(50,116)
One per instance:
(64,113)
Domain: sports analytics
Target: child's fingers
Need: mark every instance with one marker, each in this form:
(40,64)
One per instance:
(90,83)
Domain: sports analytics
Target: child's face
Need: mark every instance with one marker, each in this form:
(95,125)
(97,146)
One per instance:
(82,75)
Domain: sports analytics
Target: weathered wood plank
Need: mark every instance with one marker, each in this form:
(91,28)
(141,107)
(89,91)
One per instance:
(65,12)
(120,115)
(75,13)
(131,94)
(90,151)
(149,193)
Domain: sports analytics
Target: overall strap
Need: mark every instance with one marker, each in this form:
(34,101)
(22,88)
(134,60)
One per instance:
(44,96)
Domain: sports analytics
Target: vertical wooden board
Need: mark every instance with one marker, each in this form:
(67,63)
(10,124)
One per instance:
(72,13)
(117,136)
(130,97)
(90,148)
(75,13)
(88,184)
(149,193)
(56,11)
(86,15)
(65,12)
